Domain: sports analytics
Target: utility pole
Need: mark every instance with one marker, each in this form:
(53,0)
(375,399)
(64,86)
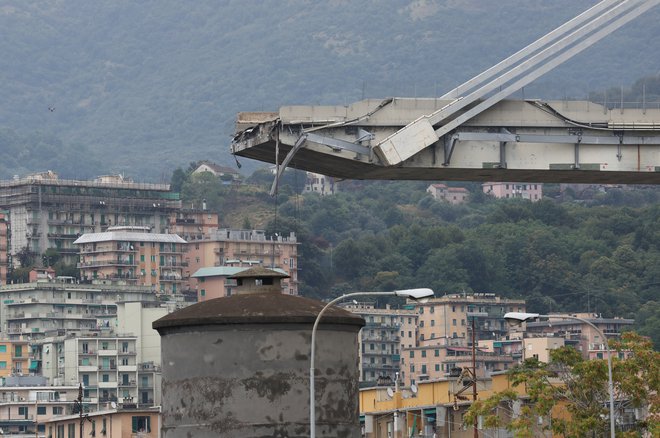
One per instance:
(474,376)
(473,316)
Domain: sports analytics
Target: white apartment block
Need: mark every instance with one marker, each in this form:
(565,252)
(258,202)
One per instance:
(321,184)
(33,311)
(507,190)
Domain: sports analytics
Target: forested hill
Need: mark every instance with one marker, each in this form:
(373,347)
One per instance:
(141,87)
(598,253)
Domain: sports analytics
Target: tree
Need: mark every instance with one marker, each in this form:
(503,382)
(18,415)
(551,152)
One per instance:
(578,388)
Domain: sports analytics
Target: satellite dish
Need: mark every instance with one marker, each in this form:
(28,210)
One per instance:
(113,405)
(390,392)
(413,388)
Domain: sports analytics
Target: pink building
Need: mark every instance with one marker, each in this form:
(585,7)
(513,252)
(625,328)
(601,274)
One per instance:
(244,249)
(216,282)
(453,195)
(531,191)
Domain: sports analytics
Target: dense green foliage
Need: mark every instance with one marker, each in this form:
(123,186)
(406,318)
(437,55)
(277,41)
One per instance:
(574,391)
(141,87)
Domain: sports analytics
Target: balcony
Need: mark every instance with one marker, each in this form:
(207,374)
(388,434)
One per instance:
(107,367)
(129,384)
(127,368)
(107,352)
(87,368)
(106,385)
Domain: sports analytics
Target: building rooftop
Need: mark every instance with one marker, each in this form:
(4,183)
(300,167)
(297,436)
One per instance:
(230,271)
(112,236)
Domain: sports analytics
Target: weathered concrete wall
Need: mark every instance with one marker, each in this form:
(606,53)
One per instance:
(253,381)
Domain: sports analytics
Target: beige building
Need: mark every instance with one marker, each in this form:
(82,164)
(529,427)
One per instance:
(192,224)
(243,249)
(453,195)
(120,422)
(581,335)
(24,409)
(444,335)
(132,255)
(445,320)
(530,191)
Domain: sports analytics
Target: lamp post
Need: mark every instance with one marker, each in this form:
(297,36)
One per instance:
(415,294)
(520,317)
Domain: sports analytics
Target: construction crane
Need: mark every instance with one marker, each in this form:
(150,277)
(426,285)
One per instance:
(472,132)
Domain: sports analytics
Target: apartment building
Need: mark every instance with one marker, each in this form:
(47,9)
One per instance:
(107,367)
(136,318)
(581,335)
(320,184)
(519,349)
(432,362)
(243,249)
(48,212)
(118,422)
(15,357)
(4,246)
(446,321)
(192,224)
(133,255)
(33,311)
(444,335)
(507,190)
(453,195)
(381,339)
(26,404)
(218,281)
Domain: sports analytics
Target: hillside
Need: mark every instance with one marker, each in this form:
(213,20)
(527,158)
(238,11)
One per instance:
(140,88)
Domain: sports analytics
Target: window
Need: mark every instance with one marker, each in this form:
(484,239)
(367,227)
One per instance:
(141,424)
(3,348)
(423,353)
(18,350)
(202,292)
(423,369)
(58,410)
(3,364)
(453,322)
(436,353)
(22,411)
(437,367)
(41,410)
(433,323)
(141,257)
(71,433)
(60,431)
(412,354)
(372,347)
(421,323)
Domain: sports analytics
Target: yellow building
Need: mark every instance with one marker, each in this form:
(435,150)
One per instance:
(113,423)
(431,407)
(133,256)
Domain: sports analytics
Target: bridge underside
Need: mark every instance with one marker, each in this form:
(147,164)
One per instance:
(522,141)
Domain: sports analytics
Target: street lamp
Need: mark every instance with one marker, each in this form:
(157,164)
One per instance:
(520,317)
(415,294)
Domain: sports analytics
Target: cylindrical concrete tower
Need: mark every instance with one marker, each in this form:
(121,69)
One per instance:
(238,366)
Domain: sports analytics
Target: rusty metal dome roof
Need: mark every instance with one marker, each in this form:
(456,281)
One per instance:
(258,308)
